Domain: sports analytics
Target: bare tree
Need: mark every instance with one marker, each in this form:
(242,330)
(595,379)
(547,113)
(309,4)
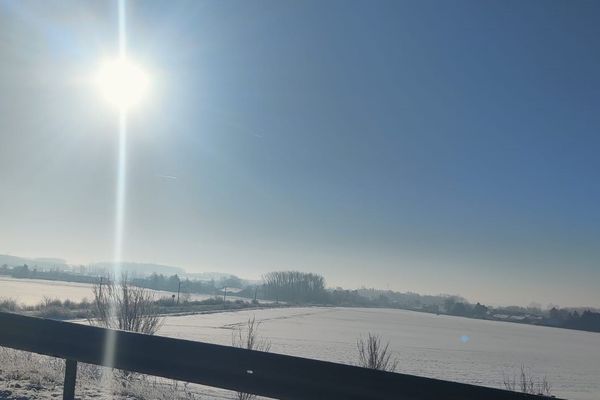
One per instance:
(525,382)
(125,307)
(374,354)
(248,338)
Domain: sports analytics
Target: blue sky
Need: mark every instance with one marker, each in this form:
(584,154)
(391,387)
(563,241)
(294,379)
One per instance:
(437,147)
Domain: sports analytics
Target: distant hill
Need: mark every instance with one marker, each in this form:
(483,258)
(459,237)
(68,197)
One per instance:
(208,276)
(13,261)
(137,269)
(49,260)
(141,269)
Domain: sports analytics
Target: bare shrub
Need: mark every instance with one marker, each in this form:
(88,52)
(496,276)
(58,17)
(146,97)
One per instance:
(54,312)
(120,305)
(374,354)
(125,307)
(49,302)
(8,304)
(525,382)
(248,338)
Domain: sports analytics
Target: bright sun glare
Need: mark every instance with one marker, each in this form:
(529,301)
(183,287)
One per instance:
(121,82)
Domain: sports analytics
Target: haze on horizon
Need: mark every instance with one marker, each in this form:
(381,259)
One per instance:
(412,145)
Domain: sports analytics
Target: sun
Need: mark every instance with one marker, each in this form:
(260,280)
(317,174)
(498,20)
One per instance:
(122,83)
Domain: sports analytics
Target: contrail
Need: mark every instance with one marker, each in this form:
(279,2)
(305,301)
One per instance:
(167,177)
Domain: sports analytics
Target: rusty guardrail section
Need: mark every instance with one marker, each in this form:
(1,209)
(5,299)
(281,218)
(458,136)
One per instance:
(266,374)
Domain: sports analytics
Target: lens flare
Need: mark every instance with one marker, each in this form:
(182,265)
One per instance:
(123,84)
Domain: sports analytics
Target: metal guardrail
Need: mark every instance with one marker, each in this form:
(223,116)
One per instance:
(266,374)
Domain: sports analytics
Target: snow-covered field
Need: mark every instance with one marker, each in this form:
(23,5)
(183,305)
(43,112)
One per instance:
(33,291)
(453,348)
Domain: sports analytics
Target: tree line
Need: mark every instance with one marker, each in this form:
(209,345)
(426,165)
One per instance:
(295,287)
(585,321)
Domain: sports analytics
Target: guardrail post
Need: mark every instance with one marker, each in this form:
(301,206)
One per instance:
(70,378)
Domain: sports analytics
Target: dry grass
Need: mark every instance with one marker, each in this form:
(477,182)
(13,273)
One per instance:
(526,382)
(49,308)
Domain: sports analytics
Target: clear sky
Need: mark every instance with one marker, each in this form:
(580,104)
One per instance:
(430,146)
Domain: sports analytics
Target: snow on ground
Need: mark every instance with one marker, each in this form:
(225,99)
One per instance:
(28,376)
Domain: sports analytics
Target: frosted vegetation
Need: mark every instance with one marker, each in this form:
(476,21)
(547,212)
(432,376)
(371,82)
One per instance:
(26,375)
